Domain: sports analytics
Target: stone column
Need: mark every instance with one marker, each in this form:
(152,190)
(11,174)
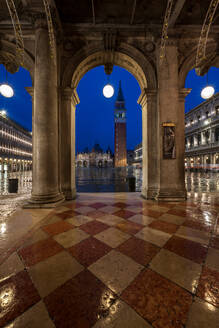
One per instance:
(171,110)
(69,100)
(45,185)
(150,157)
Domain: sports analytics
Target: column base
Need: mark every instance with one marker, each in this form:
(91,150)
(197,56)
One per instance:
(171,195)
(150,193)
(167,195)
(45,201)
(70,194)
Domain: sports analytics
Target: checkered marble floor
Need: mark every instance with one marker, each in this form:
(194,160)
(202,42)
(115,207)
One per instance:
(116,261)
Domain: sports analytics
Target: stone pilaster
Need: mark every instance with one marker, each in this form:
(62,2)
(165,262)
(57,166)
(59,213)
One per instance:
(171,111)
(150,158)
(69,100)
(45,186)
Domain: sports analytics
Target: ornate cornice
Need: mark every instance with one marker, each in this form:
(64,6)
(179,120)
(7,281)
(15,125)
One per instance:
(183,93)
(147,95)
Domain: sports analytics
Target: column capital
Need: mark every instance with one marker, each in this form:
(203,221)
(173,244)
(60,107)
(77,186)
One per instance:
(71,95)
(183,93)
(146,96)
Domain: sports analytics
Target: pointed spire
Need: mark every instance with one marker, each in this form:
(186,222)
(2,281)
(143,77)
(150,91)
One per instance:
(120,96)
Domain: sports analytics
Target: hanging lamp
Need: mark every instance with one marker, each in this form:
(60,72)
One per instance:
(208,91)
(5,89)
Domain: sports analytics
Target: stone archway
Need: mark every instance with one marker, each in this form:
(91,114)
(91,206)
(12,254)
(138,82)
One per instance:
(144,72)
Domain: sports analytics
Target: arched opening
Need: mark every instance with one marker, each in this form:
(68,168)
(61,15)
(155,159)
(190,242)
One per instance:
(15,131)
(96,119)
(74,72)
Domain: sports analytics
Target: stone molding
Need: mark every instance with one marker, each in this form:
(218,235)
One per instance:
(70,94)
(183,93)
(30,90)
(147,95)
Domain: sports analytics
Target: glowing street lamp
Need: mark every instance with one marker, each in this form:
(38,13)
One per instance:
(108,91)
(6,90)
(3,112)
(207,92)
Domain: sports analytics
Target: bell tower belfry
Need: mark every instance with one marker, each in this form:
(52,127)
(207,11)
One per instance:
(120,151)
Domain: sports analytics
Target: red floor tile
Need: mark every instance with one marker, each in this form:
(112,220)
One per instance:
(178,212)
(198,225)
(165,204)
(58,227)
(95,214)
(120,204)
(97,205)
(93,227)
(214,242)
(164,226)
(139,250)
(187,248)
(125,214)
(158,300)
(39,251)
(151,213)
(137,204)
(67,214)
(208,287)
(17,294)
(129,227)
(89,251)
(80,302)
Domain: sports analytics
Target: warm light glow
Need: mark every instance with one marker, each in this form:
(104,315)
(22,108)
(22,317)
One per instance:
(108,91)
(3,112)
(6,90)
(207,92)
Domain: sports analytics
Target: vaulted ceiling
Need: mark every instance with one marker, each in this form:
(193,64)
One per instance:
(135,12)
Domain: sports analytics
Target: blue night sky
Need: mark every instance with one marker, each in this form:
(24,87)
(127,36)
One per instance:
(94,114)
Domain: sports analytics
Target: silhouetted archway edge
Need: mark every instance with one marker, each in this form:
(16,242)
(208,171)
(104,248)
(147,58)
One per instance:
(144,71)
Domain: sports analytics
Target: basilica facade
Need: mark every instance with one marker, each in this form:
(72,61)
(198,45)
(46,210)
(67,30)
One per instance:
(94,158)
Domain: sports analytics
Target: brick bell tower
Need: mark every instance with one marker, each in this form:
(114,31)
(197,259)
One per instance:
(120,159)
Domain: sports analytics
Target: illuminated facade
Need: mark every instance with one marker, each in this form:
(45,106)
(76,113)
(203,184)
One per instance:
(120,159)
(15,146)
(96,158)
(202,136)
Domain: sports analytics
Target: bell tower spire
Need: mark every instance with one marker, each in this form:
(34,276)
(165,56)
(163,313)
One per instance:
(120,130)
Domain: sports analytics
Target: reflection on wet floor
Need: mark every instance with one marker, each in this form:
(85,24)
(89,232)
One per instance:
(24,181)
(9,202)
(112,179)
(202,182)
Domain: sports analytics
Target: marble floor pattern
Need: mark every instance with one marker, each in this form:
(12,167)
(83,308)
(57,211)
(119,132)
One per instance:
(112,260)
